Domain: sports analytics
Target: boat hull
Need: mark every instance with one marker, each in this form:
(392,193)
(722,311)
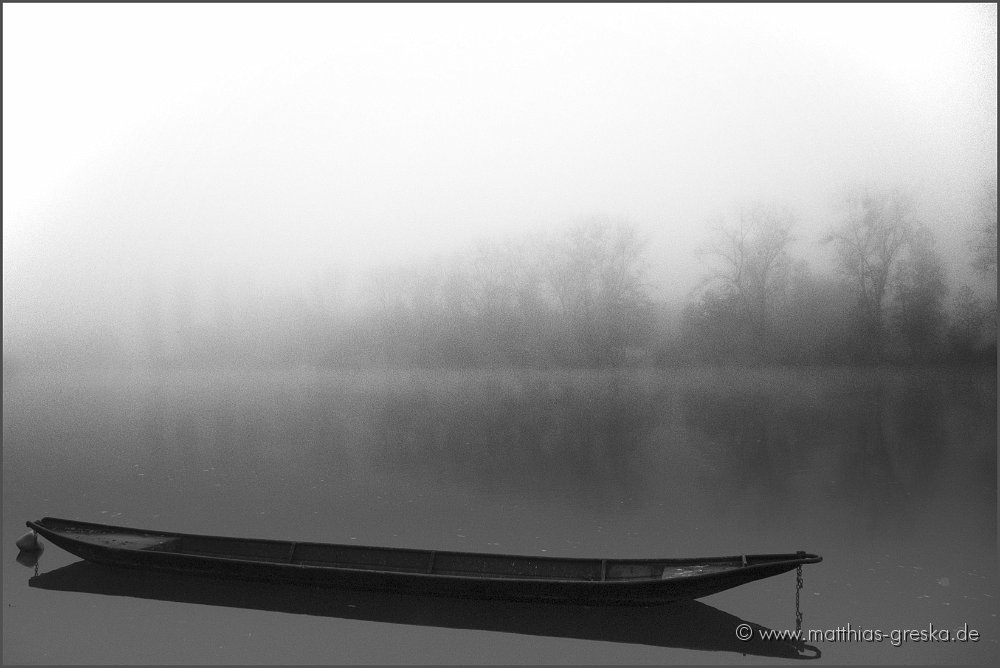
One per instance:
(645,591)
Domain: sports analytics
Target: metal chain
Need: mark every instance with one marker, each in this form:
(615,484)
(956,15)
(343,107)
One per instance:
(798,588)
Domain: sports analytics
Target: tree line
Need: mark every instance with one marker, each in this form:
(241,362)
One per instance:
(889,302)
(581,297)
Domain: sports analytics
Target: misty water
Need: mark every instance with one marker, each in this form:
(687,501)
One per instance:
(889,474)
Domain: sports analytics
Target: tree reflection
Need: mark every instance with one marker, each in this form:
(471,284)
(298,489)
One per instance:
(664,450)
(576,435)
(883,434)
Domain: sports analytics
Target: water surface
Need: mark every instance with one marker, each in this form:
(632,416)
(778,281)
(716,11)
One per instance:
(889,474)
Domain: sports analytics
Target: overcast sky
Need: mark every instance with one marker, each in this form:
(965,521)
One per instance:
(284,141)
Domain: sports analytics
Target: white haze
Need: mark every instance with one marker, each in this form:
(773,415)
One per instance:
(270,146)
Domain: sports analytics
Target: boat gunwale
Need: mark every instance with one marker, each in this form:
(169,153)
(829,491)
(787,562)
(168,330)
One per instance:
(769,560)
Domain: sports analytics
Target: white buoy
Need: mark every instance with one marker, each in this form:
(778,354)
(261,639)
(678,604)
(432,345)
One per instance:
(29,559)
(29,542)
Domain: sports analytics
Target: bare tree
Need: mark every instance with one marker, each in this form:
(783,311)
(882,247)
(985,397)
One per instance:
(596,273)
(920,291)
(750,263)
(874,229)
(971,332)
(505,288)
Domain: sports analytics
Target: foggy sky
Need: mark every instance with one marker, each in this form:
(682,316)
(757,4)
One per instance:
(146,144)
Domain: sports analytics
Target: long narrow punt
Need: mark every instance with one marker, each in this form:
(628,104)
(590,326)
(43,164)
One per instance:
(458,574)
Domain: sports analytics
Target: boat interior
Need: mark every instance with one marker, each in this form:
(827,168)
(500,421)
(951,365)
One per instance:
(408,560)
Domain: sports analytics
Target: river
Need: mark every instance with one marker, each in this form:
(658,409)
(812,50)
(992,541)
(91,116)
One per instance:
(889,474)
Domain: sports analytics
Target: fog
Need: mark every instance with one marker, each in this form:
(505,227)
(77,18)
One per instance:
(197,158)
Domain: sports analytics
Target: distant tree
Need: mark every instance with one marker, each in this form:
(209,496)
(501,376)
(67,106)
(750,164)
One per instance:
(506,299)
(437,297)
(969,331)
(984,244)
(750,265)
(813,323)
(393,320)
(596,273)
(713,329)
(874,229)
(918,302)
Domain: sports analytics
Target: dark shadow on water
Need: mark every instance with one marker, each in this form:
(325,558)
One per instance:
(684,625)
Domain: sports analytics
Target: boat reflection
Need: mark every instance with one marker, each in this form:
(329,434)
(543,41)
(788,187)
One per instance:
(684,625)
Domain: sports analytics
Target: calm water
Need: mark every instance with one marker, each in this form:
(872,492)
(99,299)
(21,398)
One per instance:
(889,475)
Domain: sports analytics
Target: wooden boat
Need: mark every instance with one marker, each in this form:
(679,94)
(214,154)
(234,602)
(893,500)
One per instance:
(411,571)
